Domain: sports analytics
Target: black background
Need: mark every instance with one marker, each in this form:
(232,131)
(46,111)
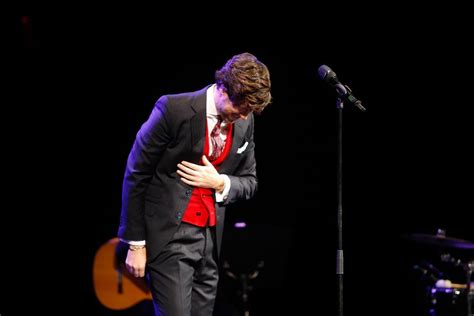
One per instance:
(81,98)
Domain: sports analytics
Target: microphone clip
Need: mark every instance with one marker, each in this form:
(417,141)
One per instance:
(345,92)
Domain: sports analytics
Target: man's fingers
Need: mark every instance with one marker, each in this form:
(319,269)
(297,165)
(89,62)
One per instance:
(205,161)
(187,175)
(140,273)
(187,170)
(136,272)
(189,182)
(191,165)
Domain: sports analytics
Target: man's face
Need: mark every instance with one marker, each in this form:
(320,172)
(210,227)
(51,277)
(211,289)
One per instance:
(227,109)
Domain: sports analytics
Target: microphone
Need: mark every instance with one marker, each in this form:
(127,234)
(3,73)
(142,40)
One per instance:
(326,74)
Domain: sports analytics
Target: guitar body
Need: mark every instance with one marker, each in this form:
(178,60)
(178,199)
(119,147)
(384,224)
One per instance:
(114,287)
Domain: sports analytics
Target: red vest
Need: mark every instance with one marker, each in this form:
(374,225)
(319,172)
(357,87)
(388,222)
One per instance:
(201,209)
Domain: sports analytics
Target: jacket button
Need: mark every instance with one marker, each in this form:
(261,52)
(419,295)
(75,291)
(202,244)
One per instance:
(188,192)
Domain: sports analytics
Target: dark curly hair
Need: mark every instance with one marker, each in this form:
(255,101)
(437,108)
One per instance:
(246,81)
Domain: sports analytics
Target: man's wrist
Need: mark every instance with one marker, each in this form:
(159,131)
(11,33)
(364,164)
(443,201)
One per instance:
(220,184)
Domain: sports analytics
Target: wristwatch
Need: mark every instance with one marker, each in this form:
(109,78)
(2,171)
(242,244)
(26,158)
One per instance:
(136,247)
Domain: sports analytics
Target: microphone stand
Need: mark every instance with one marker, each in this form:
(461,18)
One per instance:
(342,90)
(340,251)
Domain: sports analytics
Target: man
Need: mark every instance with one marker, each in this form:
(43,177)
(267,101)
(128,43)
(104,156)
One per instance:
(192,157)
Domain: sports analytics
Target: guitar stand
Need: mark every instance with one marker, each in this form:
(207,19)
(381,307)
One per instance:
(244,281)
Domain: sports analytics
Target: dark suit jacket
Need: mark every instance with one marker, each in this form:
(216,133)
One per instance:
(154,198)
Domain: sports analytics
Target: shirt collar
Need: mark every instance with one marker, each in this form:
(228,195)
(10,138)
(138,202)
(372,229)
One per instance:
(211,109)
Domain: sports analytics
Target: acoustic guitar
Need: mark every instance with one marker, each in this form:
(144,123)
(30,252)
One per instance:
(114,286)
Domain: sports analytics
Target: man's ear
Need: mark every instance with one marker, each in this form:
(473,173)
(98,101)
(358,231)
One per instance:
(221,89)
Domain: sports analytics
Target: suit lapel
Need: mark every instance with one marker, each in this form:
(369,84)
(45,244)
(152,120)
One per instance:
(240,127)
(198,126)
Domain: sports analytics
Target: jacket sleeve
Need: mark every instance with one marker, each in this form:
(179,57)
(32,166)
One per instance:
(150,142)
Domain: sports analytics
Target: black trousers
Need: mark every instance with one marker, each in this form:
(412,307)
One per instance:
(184,276)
